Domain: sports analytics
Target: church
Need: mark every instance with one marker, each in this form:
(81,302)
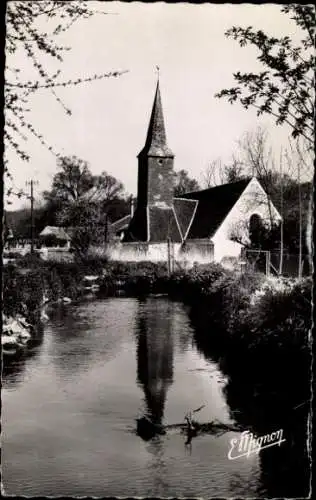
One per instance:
(203,226)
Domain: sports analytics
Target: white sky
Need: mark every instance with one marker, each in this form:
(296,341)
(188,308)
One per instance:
(110,117)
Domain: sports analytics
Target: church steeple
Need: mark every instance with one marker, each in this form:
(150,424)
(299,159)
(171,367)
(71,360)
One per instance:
(156,141)
(154,219)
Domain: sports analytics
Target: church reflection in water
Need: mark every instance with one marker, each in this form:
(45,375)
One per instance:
(154,360)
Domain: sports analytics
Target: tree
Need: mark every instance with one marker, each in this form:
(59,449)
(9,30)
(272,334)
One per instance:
(257,160)
(213,174)
(184,183)
(218,173)
(234,171)
(283,187)
(295,156)
(29,39)
(85,223)
(104,190)
(72,181)
(285,87)
(84,201)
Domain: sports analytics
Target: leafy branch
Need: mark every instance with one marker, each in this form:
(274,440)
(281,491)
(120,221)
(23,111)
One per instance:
(285,88)
(27,37)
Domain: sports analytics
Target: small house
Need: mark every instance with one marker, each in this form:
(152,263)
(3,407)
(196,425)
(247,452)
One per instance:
(54,237)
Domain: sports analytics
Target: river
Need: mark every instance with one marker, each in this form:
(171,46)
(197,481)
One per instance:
(69,410)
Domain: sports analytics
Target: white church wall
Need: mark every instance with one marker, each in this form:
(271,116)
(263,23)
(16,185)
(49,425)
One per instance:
(253,200)
(158,252)
(137,252)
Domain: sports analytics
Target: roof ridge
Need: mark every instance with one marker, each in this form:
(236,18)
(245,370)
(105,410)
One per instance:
(120,220)
(246,180)
(184,199)
(178,225)
(192,219)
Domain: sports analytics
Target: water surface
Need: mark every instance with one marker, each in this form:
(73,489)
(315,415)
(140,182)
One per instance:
(69,411)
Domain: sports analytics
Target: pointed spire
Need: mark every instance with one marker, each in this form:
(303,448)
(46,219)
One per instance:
(156,141)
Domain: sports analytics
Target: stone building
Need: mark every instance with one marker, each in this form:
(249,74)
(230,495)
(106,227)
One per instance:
(202,226)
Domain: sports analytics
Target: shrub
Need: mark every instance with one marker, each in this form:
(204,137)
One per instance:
(9,254)
(29,260)
(195,282)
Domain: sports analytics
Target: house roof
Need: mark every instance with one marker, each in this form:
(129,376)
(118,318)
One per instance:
(138,226)
(163,224)
(196,215)
(58,232)
(185,210)
(121,224)
(156,141)
(154,224)
(214,204)
(96,194)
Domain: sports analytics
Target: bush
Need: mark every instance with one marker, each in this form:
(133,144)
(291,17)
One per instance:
(9,254)
(138,277)
(22,292)
(29,260)
(194,283)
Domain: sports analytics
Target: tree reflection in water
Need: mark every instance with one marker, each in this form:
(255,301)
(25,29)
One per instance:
(263,404)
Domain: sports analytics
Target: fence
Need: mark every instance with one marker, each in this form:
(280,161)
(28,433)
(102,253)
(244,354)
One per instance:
(257,261)
(291,264)
(268,262)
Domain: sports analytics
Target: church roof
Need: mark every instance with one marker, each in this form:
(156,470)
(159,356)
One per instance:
(138,226)
(196,215)
(163,224)
(214,204)
(185,210)
(121,224)
(156,141)
(154,224)
(56,231)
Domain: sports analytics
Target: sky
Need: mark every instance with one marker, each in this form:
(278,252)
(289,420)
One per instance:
(110,117)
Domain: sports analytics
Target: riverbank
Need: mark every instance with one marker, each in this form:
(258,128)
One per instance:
(260,318)
(29,286)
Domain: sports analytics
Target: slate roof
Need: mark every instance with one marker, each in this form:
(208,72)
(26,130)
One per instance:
(163,225)
(214,204)
(185,210)
(57,232)
(121,224)
(95,195)
(154,224)
(156,141)
(196,215)
(138,227)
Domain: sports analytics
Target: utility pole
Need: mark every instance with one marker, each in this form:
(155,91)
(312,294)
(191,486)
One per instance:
(32,183)
(169,257)
(282,216)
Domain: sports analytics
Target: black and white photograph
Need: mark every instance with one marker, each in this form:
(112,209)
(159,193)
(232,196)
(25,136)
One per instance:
(157,255)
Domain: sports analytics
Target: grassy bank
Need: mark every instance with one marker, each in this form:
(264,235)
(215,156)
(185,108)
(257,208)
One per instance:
(245,312)
(30,279)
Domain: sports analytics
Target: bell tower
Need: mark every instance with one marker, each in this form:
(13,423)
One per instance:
(154,219)
(155,162)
